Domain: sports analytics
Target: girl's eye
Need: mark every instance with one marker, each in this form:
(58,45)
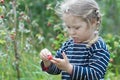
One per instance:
(77,27)
(68,27)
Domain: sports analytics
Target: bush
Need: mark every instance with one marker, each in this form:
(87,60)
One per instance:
(113,43)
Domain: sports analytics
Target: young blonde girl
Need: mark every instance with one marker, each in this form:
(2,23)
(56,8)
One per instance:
(85,55)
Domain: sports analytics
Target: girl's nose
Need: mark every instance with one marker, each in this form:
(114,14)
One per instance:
(72,32)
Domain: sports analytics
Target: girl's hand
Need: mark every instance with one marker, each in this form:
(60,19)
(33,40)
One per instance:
(45,56)
(63,64)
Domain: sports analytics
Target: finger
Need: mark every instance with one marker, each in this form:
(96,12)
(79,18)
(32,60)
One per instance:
(42,54)
(56,60)
(43,57)
(64,56)
(53,61)
(47,51)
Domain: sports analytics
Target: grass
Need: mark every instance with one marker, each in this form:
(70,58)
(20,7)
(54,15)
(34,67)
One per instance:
(29,66)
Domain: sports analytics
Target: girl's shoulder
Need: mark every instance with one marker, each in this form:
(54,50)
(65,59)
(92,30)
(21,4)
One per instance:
(99,44)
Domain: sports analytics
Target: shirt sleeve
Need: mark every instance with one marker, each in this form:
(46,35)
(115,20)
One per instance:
(96,68)
(52,69)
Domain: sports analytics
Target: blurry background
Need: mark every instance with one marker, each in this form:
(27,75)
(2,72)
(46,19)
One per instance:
(27,26)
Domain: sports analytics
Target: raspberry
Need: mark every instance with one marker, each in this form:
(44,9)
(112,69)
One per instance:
(49,57)
(2,1)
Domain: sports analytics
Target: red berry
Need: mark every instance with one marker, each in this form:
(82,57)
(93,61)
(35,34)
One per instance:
(48,24)
(2,16)
(12,36)
(49,57)
(2,1)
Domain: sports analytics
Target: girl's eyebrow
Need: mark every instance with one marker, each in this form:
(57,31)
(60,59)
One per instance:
(77,26)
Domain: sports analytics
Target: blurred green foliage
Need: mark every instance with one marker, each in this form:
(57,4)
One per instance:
(39,27)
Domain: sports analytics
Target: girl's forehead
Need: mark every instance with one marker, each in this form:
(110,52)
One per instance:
(68,15)
(72,18)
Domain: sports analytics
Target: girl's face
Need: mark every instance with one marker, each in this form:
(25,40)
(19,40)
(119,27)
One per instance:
(78,29)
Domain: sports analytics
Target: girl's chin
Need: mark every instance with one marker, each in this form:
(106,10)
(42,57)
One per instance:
(76,41)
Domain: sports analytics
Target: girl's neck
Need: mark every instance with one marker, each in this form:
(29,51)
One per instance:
(93,38)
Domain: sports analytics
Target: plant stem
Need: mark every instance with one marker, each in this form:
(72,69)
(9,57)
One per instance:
(15,40)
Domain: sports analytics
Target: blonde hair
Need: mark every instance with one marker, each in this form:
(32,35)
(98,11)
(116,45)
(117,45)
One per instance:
(86,9)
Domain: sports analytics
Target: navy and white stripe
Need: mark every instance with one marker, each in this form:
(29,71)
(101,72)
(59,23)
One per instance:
(88,63)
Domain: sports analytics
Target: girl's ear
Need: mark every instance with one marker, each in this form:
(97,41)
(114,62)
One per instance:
(93,21)
(94,24)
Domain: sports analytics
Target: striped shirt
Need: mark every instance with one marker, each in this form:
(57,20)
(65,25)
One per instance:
(88,63)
